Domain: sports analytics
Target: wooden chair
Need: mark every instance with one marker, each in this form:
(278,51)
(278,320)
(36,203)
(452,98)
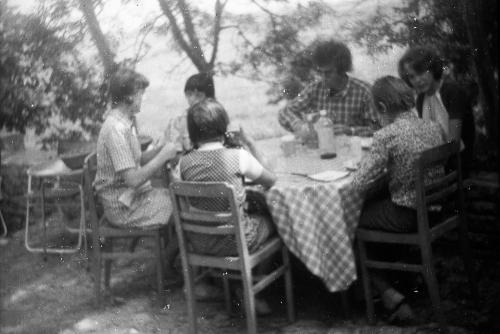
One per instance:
(189,219)
(441,193)
(103,237)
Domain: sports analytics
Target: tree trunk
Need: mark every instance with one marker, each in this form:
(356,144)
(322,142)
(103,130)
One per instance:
(484,67)
(187,39)
(107,56)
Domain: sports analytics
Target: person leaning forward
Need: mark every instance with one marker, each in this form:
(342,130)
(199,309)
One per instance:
(123,171)
(347,100)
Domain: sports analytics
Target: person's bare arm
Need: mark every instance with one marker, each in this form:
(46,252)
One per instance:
(249,143)
(135,177)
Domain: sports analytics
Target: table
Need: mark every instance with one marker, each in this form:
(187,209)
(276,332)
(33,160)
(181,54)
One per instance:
(61,190)
(315,219)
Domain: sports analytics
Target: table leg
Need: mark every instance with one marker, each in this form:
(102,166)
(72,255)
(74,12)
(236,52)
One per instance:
(43,223)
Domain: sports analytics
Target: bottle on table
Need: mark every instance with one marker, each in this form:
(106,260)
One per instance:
(326,137)
(312,139)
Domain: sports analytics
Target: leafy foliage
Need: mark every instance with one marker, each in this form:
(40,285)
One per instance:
(282,56)
(43,81)
(432,22)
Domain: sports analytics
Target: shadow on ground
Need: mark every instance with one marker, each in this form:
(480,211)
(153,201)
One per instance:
(56,296)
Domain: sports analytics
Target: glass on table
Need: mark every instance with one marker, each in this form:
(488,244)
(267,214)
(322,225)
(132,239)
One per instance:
(289,145)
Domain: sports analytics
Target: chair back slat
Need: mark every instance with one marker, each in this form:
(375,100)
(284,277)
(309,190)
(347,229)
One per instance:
(437,186)
(440,182)
(189,218)
(208,217)
(443,195)
(197,228)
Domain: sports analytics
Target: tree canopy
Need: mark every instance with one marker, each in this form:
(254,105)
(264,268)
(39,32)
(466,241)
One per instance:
(44,82)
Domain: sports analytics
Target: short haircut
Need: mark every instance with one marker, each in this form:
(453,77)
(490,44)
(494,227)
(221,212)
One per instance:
(206,120)
(201,82)
(332,52)
(420,59)
(125,83)
(394,93)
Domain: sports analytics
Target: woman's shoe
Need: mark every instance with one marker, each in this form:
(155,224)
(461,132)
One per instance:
(402,314)
(207,292)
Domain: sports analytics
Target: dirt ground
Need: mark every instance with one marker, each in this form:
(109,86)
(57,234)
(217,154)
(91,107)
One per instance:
(56,296)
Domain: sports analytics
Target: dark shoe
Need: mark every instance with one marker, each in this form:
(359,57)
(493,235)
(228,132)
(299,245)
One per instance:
(262,307)
(402,314)
(207,292)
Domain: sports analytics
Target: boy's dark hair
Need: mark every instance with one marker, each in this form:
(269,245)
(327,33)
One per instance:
(332,52)
(420,59)
(394,93)
(206,120)
(201,82)
(124,83)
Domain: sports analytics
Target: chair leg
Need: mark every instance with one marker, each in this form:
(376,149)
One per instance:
(468,262)
(107,264)
(133,244)
(159,266)
(346,305)
(432,283)
(227,293)
(290,303)
(367,287)
(191,302)
(249,301)
(96,268)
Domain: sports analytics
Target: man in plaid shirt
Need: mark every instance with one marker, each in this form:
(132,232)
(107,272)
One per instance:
(347,100)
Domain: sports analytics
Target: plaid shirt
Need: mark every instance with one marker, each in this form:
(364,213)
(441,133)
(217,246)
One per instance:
(353,107)
(395,148)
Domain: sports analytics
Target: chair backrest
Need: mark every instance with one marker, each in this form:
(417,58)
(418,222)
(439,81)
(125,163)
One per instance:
(437,186)
(191,219)
(89,172)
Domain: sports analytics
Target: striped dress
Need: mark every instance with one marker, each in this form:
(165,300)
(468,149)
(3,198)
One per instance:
(119,149)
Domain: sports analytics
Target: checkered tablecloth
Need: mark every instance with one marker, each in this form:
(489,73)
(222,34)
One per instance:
(316,220)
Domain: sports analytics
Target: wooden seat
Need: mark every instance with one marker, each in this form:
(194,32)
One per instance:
(189,219)
(444,193)
(103,237)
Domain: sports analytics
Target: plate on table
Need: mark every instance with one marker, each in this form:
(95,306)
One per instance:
(329,175)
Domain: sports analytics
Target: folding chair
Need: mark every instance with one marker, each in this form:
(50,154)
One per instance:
(442,192)
(229,222)
(103,237)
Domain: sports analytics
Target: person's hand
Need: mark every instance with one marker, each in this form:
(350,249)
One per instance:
(303,132)
(167,152)
(160,142)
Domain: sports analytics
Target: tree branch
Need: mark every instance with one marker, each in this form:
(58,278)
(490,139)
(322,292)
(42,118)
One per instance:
(219,9)
(198,61)
(107,56)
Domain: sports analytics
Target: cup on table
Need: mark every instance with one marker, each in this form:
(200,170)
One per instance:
(356,148)
(288,145)
(343,144)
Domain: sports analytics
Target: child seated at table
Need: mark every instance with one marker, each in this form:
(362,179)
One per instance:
(210,160)
(394,149)
(198,87)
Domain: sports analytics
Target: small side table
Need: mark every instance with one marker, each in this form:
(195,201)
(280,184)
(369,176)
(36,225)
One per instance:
(65,184)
